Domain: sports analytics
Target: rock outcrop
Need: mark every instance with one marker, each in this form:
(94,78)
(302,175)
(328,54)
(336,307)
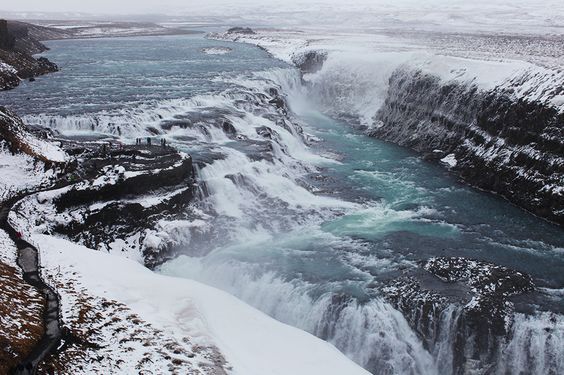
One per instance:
(16,61)
(115,197)
(310,61)
(19,139)
(241,30)
(461,308)
(7,40)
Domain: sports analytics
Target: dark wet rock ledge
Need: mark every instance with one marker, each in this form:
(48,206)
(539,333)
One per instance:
(122,192)
(110,195)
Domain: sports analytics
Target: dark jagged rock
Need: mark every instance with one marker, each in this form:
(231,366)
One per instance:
(513,147)
(24,42)
(266,132)
(310,62)
(228,128)
(30,35)
(468,298)
(173,173)
(120,194)
(241,30)
(7,39)
(16,60)
(278,102)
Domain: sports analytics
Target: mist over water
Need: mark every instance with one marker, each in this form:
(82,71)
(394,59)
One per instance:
(302,216)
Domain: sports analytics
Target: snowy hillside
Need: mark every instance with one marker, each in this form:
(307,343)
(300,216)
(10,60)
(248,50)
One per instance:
(188,319)
(25,158)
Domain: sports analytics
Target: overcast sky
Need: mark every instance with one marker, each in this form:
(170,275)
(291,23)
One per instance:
(170,6)
(139,6)
(546,16)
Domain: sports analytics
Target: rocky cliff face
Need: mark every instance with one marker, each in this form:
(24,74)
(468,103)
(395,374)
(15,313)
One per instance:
(494,140)
(117,196)
(18,138)
(16,61)
(310,61)
(127,192)
(7,40)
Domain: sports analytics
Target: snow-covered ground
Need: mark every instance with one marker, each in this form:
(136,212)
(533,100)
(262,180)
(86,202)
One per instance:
(7,68)
(251,342)
(19,172)
(100,29)
(24,169)
(216,50)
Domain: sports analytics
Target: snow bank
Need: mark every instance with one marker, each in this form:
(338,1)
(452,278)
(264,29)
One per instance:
(252,342)
(450,160)
(47,150)
(8,251)
(13,130)
(19,172)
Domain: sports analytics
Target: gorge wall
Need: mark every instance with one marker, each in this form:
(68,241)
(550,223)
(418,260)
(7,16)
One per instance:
(493,140)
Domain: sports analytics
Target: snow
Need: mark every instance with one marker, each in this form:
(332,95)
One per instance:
(8,251)
(48,150)
(110,175)
(450,160)
(252,342)
(216,50)
(19,172)
(7,68)
(32,144)
(368,59)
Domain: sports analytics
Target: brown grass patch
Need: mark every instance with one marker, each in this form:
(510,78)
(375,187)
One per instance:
(21,322)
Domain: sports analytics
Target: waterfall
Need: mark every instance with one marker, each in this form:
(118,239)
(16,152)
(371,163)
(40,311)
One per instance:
(279,238)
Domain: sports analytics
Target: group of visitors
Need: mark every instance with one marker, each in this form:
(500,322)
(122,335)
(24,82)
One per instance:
(139,141)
